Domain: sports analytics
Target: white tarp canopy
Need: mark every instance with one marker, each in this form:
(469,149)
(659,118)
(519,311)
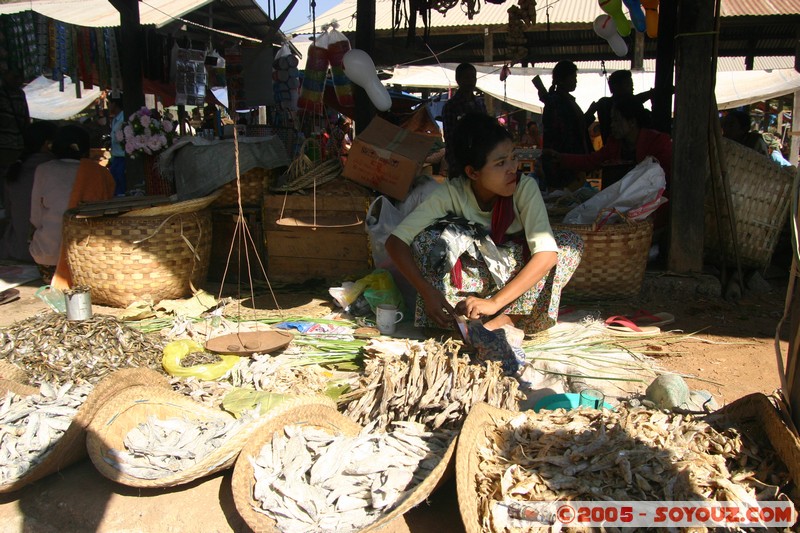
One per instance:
(733,89)
(46,102)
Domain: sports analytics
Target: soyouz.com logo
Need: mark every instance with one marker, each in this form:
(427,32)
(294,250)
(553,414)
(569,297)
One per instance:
(645,514)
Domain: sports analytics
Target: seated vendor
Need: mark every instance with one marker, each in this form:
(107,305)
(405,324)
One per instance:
(481,245)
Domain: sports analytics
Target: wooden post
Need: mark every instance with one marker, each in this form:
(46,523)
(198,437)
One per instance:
(132,89)
(637,63)
(665,63)
(488,56)
(365,40)
(690,135)
(794,131)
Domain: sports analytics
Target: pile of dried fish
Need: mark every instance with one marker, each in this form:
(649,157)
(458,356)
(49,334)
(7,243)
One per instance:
(309,480)
(51,348)
(621,455)
(428,383)
(31,425)
(159,448)
(279,374)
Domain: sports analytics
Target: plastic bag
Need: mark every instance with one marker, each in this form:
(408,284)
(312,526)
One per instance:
(380,226)
(338,46)
(377,288)
(240,400)
(636,195)
(177,350)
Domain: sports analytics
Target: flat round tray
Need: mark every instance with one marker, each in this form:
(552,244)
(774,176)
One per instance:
(249,342)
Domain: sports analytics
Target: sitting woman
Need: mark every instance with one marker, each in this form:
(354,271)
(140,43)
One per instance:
(481,245)
(59,185)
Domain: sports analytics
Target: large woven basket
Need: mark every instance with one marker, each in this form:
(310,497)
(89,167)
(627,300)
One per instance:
(135,405)
(331,421)
(71,447)
(614,259)
(760,193)
(125,259)
(254,183)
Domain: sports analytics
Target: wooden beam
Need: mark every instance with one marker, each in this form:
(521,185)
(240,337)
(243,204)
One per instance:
(365,40)
(130,49)
(665,65)
(690,134)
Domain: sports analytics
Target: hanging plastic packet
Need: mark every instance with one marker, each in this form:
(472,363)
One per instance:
(338,46)
(315,74)
(285,77)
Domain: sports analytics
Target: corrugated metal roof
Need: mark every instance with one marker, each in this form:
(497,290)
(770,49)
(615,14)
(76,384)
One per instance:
(558,11)
(724,64)
(742,8)
(100,13)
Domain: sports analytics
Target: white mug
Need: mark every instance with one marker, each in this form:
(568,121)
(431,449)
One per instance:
(387,316)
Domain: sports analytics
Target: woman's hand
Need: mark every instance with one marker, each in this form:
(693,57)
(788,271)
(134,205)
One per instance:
(474,308)
(438,308)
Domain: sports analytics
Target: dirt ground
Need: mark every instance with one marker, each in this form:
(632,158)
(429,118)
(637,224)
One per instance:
(731,353)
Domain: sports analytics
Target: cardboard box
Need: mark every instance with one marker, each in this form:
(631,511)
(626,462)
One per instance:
(387,158)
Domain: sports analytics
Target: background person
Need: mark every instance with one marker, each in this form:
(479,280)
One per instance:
(462,102)
(736,127)
(59,184)
(483,201)
(620,83)
(565,128)
(17,187)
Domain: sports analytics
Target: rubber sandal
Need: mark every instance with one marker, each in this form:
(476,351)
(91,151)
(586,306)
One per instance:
(646,318)
(8,296)
(621,326)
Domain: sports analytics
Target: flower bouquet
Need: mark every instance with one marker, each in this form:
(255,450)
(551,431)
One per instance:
(144,133)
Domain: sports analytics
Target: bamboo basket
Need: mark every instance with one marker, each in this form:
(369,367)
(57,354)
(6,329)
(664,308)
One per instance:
(71,447)
(133,406)
(760,193)
(125,259)
(614,259)
(331,421)
(254,184)
(11,372)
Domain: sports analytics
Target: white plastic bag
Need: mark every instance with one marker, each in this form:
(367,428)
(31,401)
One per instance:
(380,226)
(636,195)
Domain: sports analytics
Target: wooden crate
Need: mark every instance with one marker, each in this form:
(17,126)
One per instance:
(296,254)
(224,226)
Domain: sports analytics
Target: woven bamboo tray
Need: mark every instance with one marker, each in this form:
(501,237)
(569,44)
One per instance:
(614,259)
(760,193)
(133,406)
(71,447)
(329,420)
(254,183)
(125,259)
(12,372)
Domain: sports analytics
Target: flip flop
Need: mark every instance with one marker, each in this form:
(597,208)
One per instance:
(646,318)
(8,296)
(621,326)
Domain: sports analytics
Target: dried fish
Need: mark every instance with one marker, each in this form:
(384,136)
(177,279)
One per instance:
(425,382)
(30,426)
(159,448)
(629,454)
(321,482)
(52,349)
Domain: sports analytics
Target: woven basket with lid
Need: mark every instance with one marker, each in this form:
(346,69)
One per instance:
(125,259)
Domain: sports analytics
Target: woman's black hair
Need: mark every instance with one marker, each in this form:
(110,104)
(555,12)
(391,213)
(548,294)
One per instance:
(35,136)
(475,136)
(630,109)
(71,142)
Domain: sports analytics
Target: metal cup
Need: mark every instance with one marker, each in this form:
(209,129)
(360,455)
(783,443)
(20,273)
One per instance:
(79,303)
